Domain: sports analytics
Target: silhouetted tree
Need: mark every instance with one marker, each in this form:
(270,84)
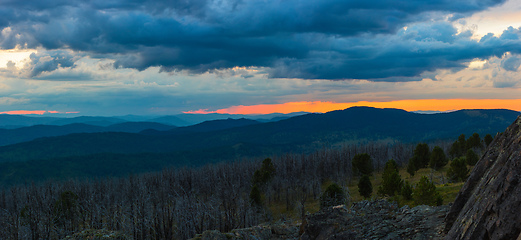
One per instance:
(365,187)
(333,196)
(362,164)
(425,193)
(488,139)
(459,147)
(422,154)
(438,158)
(474,141)
(66,210)
(462,143)
(265,173)
(411,167)
(255,196)
(391,180)
(455,150)
(458,170)
(420,159)
(407,191)
(471,157)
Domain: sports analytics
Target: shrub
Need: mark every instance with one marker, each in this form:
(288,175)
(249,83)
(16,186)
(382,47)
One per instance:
(333,196)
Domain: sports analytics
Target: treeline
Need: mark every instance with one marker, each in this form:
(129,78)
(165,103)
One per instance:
(461,153)
(179,203)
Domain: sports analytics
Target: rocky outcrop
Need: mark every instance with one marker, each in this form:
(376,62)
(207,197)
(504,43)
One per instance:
(98,234)
(376,220)
(364,220)
(280,230)
(489,203)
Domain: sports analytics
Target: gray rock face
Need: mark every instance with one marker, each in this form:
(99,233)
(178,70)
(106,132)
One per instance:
(376,220)
(273,231)
(364,220)
(489,203)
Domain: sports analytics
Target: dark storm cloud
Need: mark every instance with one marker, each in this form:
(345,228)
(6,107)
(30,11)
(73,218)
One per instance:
(326,39)
(49,62)
(409,53)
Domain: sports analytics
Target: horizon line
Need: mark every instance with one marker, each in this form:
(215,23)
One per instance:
(421,105)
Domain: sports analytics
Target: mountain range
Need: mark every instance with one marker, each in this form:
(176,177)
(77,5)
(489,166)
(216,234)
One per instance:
(146,146)
(180,120)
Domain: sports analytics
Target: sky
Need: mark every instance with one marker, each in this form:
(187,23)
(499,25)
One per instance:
(143,57)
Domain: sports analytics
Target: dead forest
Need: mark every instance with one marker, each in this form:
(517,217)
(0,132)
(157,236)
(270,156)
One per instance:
(179,203)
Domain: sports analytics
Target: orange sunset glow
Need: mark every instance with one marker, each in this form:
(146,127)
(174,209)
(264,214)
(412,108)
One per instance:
(23,112)
(408,105)
(27,112)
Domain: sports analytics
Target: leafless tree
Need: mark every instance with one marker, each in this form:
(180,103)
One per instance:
(179,203)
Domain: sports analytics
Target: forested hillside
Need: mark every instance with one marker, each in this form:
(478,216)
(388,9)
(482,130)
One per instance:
(180,203)
(24,134)
(119,153)
(301,133)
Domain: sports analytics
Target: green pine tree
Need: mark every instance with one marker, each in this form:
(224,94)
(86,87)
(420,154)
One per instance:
(471,157)
(438,159)
(474,141)
(362,164)
(411,167)
(391,180)
(458,171)
(425,193)
(406,191)
(265,173)
(333,196)
(365,187)
(488,139)
(255,196)
(422,155)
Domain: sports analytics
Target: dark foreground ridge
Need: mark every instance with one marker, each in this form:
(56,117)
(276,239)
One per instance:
(489,203)
(364,220)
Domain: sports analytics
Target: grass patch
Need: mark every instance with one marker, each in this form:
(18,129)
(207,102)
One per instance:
(447,190)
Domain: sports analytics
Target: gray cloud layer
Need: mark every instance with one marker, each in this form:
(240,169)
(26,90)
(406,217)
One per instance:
(324,39)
